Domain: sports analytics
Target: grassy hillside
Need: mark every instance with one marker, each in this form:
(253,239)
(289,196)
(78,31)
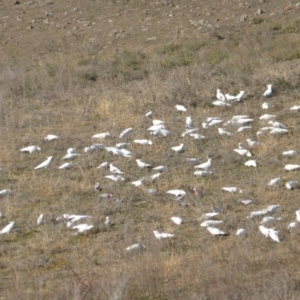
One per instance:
(78,68)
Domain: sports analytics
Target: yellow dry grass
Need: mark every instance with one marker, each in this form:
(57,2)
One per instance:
(79,69)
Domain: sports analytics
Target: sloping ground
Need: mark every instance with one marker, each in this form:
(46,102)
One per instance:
(77,69)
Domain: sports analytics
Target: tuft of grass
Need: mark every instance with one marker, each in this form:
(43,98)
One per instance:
(257,20)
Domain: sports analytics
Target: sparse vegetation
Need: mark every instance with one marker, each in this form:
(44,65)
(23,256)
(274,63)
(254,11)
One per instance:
(79,69)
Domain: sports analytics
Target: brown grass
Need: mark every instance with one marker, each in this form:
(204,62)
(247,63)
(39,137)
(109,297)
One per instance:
(75,80)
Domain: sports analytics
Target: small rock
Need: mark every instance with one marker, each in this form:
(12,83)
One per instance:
(29,27)
(153,38)
(288,7)
(259,12)
(114,32)
(243,18)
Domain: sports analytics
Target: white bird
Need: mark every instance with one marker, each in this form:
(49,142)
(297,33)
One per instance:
(208,223)
(290,153)
(243,128)
(275,181)
(31,149)
(5,192)
(267,117)
(291,167)
(238,117)
(224,132)
(40,219)
(202,173)
(243,152)
(242,146)
(253,143)
(231,189)
(115,177)
(267,220)
(272,208)
(66,166)
(74,218)
(161,169)
(71,150)
(156,128)
(121,145)
(138,183)
(177,220)
(104,165)
(273,234)
(164,132)
(107,221)
(264,230)
(162,235)
(216,231)
(243,121)
(189,131)
(205,165)
(210,215)
(45,163)
(268,92)
(70,156)
(239,96)
(149,114)
(106,195)
(188,122)
(142,164)
(197,136)
(137,246)
(178,148)
(158,122)
(220,103)
(177,193)
(143,142)
(50,137)
(154,176)
(295,107)
(193,160)
(82,227)
(115,170)
(230,97)
(246,202)
(102,135)
(277,124)
(297,212)
(125,132)
(180,107)
(278,131)
(241,231)
(220,96)
(211,122)
(291,185)
(125,153)
(265,105)
(88,149)
(250,163)
(94,146)
(293,225)
(8,228)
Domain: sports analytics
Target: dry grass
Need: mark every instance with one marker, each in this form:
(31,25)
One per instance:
(81,80)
